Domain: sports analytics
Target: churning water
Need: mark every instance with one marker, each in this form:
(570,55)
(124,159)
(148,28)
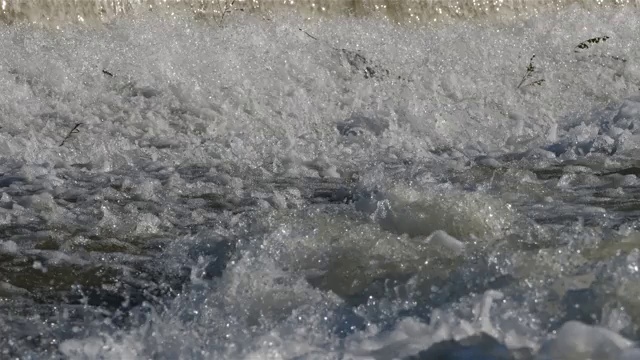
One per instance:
(192,181)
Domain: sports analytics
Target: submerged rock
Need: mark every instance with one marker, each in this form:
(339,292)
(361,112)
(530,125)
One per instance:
(357,125)
(477,347)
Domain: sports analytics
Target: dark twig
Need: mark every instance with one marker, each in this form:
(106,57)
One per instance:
(228,7)
(73,131)
(107,73)
(585,44)
(537,82)
(530,70)
(313,37)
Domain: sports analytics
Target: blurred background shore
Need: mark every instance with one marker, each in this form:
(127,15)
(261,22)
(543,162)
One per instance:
(55,12)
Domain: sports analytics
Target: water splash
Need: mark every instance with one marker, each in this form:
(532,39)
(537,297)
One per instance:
(56,12)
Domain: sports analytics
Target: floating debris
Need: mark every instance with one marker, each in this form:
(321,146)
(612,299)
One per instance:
(530,70)
(585,44)
(73,131)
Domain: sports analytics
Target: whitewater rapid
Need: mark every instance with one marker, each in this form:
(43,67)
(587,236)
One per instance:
(277,186)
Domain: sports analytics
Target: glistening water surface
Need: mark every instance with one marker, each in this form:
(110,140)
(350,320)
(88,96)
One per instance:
(268,186)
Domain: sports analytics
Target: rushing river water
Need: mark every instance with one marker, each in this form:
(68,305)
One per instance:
(280,184)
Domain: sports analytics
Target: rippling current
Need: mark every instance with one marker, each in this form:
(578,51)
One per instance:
(221,182)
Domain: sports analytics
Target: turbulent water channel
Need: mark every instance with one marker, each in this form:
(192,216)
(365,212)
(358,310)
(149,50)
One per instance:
(265,185)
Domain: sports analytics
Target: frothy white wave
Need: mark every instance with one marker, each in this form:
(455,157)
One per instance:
(462,177)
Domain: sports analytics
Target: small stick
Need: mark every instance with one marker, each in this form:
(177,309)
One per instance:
(73,131)
(585,44)
(107,73)
(530,70)
(227,9)
(318,39)
(309,35)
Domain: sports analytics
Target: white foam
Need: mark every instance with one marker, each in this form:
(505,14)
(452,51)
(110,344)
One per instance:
(9,247)
(460,214)
(447,241)
(577,340)
(207,126)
